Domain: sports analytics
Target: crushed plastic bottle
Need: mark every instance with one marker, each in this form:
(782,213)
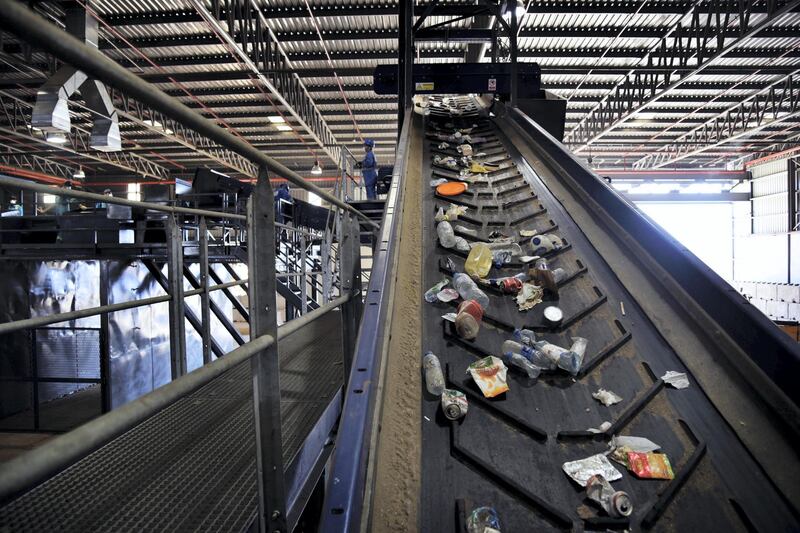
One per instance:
(545,279)
(551,352)
(479,261)
(467,231)
(483,520)
(446,236)
(434,379)
(430,294)
(572,360)
(525,336)
(468,290)
(461,244)
(521,362)
(616,503)
(532,354)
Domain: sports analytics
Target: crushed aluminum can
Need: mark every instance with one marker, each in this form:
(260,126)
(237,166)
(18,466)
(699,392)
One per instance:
(454,404)
(616,503)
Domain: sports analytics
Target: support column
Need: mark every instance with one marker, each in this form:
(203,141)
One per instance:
(177,328)
(405,64)
(265,365)
(513,45)
(205,304)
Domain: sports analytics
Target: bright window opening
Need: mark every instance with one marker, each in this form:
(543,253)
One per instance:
(49,198)
(313,199)
(134,191)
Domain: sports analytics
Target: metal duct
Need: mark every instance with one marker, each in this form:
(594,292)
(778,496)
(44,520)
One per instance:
(51,112)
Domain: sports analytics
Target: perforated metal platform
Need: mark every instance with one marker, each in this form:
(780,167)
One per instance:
(192,466)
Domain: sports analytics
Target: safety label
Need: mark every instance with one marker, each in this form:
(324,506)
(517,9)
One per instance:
(423,86)
(492,84)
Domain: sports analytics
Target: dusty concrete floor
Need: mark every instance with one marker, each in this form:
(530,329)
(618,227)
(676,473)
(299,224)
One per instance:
(397,475)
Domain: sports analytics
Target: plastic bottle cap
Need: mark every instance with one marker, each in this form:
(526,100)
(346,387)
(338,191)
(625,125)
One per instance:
(553,315)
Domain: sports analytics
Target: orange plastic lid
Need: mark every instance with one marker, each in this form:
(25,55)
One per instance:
(451,188)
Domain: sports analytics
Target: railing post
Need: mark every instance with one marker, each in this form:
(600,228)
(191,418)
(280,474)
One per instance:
(265,365)
(302,270)
(350,275)
(205,305)
(105,344)
(177,328)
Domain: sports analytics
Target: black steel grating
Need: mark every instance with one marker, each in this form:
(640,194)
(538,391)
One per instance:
(192,466)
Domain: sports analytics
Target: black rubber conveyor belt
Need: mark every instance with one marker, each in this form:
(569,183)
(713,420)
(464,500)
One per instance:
(192,466)
(508,451)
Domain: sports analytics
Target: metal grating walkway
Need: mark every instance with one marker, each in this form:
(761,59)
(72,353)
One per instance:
(192,466)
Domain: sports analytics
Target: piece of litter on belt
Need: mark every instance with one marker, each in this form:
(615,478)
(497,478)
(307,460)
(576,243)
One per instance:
(581,470)
(426,418)
(528,258)
(633,444)
(527,232)
(622,308)
(450,317)
(676,379)
(606,397)
(602,429)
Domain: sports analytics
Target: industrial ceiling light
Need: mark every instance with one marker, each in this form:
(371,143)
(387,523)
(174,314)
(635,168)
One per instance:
(79,174)
(520,8)
(276,119)
(316,169)
(283,127)
(56,137)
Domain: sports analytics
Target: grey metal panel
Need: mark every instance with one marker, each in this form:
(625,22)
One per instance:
(66,353)
(139,337)
(14,347)
(61,286)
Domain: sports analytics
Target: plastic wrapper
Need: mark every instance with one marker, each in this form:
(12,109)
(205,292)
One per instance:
(581,470)
(606,397)
(679,380)
(452,213)
(650,465)
(634,444)
(489,374)
(528,296)
(461,244)
(447,295)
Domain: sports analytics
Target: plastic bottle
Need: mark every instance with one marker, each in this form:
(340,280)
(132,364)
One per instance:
(479,261)
(523,364)
(446,236)
(434,379)
(461,244)
(546,279)
(534,355)
(552,352)
(525,336)
(468,290)
(467,231)
(482,519)
(572,360)
(430,294)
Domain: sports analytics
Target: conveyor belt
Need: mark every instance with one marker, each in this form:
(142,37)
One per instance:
(508,451)
(192,466)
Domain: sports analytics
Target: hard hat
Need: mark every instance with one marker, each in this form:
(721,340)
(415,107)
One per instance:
(369,142)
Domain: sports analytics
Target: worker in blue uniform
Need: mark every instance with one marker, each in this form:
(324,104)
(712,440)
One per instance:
(369,170)
(282,193)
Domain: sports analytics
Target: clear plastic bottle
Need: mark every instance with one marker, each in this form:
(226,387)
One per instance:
(446,236)
(434,379)
(483,519)
(525,336)
(551,352)
(467,231)
(522,363)
(468,290)
(535,356)
(479,261)
(572,360)
(430,294)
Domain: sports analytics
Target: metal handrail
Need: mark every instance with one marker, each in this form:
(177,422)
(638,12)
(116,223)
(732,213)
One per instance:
(24,472)
(19,20)
(344,495)
(8,181)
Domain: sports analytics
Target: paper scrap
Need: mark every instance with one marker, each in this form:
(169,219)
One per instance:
(606,397)
(676,379)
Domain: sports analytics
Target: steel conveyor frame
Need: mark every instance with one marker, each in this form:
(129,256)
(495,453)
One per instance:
(724,317)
